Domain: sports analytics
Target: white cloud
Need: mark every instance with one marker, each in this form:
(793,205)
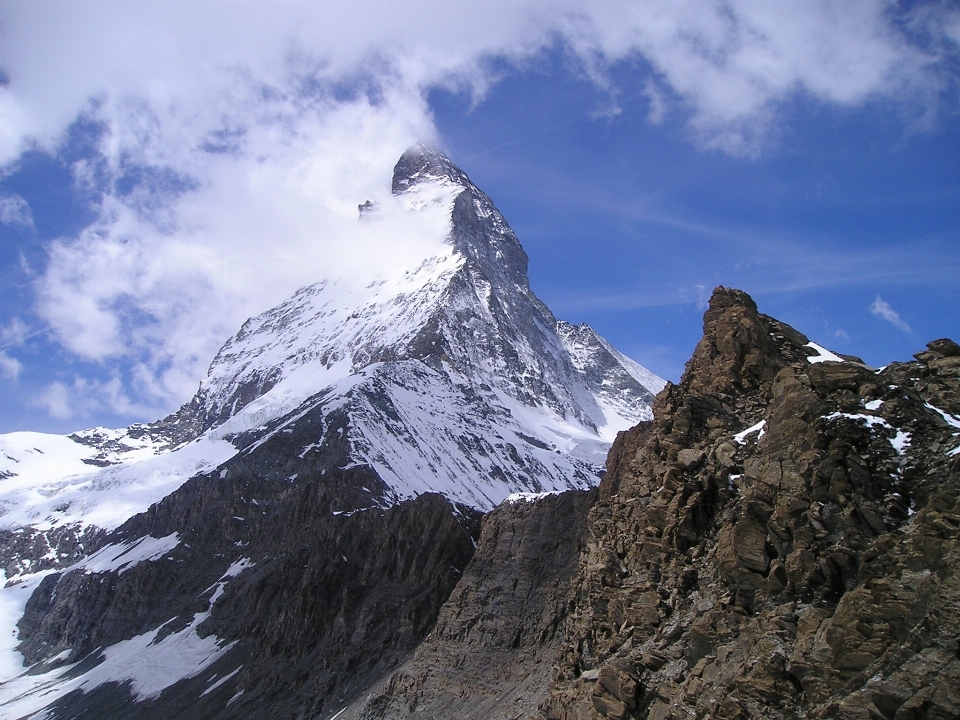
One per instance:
(881,308)
(730,62)
(952,27)
(15,211)
(84,397)
(15,332)
(55,400)
(278,215)
(733,63)
(264,126)
(703,296)
(10,367)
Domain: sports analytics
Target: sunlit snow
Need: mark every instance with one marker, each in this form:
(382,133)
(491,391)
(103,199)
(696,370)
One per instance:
(150,665)
(514,498)
(823,355)
(741,437)
(951,420)
(99,496)
(123,556)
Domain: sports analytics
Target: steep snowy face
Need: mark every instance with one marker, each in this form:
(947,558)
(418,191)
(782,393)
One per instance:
(335,328)
(453,376)
(469,303)
(468,306)
(610,376)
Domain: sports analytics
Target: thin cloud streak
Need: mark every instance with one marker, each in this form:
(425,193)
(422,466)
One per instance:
(796,270)
(882,309)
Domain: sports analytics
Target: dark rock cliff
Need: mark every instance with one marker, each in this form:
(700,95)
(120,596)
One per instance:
(491,654)
(325,604)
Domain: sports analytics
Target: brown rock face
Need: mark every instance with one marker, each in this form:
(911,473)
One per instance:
(780,542)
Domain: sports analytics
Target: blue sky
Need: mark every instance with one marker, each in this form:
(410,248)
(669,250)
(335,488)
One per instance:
(168,170)
(629,226)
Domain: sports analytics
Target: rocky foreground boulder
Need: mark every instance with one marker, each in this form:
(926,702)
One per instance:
(781,541)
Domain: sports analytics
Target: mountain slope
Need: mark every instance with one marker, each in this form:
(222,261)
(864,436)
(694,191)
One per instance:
(454,376)
(331,436)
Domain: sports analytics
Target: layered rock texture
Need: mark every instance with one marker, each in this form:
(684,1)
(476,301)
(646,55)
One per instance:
(492,652)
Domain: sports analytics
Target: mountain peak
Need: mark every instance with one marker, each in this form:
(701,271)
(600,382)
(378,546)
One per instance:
(724,297)
(419,162)
(451,377)
(741,349)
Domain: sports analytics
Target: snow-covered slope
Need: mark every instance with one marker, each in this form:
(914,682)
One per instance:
(448,377)
(52,481)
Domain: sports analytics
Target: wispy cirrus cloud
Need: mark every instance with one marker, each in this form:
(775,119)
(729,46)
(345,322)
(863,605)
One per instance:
(882,309)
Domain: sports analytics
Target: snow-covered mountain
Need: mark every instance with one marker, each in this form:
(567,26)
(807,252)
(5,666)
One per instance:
(449,377)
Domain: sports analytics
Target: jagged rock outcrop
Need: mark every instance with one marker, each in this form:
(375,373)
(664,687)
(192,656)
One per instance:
(780,542)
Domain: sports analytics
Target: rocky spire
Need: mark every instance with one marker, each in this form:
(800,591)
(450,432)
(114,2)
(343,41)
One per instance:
(478,230)
(420,162)
(741,350)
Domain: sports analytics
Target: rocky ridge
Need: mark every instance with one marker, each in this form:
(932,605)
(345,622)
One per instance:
(780,542)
